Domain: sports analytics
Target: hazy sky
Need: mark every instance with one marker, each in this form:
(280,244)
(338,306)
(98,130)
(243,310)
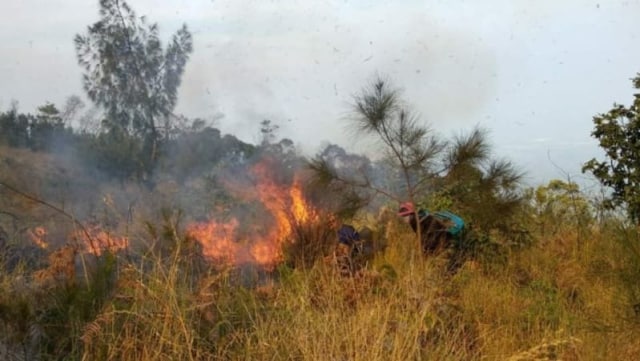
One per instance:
(532,72)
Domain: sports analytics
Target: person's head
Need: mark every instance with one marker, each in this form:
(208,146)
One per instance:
(407,210)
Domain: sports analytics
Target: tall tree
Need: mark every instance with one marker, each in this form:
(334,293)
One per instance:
(129,74)
(45,127)
(421,166)
(618,132)
(406,144)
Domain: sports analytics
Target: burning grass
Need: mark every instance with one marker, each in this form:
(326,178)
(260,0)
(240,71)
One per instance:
(161,307)
(282,212)
(263,294)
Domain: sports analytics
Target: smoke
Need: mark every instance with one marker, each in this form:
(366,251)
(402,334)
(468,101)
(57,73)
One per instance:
(301,67)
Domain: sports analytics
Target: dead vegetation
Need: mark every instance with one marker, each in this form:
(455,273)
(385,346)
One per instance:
(567,295)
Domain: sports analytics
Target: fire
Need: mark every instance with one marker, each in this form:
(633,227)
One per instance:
(95,240)
(262,241)
(39,237)
(301,212)
(217,240)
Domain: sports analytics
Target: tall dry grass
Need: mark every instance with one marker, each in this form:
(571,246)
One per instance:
(556,300)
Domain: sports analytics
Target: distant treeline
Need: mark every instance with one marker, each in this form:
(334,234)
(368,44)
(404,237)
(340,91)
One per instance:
(185,150)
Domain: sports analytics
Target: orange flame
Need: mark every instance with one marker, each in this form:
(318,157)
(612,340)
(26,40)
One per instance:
(286,207)
(217,240)
(301,211)
(38,236)
(95,240)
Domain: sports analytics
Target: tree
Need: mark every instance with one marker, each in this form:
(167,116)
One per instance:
(268,131)
(421,167)
(14,127)
(618,133)
(41,132)
(73,105)
(407,145)
(480,188)
(347,176)
(46,127)
(129,74)
(558,205)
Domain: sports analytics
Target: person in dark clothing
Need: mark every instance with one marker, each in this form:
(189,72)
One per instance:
(348,248)
(437,230)
(354,250)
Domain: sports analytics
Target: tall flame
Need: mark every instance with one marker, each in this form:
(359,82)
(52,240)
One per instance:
(301,211)
(217,240)
(285,206)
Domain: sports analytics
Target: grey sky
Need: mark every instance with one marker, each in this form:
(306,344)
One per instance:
(533,72)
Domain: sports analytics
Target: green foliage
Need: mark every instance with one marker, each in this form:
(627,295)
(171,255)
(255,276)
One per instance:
(559,205)
(485,191)
(407,144)
(618,132)
(46,131)
(46,127)
(629,267)
(417,166)
(14,128)
(46,320)
(409,150)
(115,153)
(340,181)
(545,309)
(16,316)
(130,76)
(460,175)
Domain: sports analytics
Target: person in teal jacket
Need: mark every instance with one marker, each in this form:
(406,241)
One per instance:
(437,230)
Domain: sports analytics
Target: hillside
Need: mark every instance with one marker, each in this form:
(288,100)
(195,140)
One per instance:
(565,295)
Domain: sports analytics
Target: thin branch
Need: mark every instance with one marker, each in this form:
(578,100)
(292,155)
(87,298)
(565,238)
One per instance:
(55,208)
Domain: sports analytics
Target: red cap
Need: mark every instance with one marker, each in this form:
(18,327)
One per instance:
(406,209)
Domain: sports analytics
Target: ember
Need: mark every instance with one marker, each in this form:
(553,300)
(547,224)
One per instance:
(39,237)
(95,240)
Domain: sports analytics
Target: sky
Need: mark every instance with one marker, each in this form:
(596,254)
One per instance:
(534,73)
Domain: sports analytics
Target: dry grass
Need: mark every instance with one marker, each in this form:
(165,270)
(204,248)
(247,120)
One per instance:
(546,303)
(557,349)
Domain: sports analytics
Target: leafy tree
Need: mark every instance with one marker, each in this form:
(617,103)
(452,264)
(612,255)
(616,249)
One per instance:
(45,127)
(131,76)
(558,205)
(618,132)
